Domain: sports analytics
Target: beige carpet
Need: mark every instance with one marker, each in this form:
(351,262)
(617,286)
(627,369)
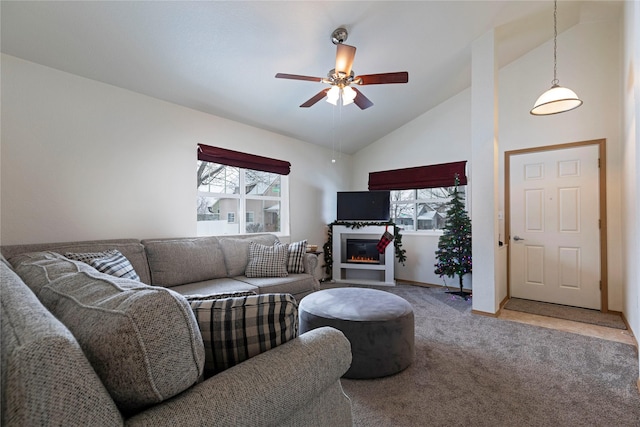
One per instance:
(583,315)
(480,371)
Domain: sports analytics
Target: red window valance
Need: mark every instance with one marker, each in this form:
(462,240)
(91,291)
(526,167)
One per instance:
(442,175)
(242,160)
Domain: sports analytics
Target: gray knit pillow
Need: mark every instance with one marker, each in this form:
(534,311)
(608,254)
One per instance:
(267,261)
(142,341)
(236,329)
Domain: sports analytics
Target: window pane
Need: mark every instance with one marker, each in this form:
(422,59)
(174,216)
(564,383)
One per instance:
(216,178)
(429,219)
(427,211)
(401,195)
(402,215)
(265,216)
(262,183)
(214,214)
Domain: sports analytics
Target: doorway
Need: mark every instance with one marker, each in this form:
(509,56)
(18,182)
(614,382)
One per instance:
(555,206)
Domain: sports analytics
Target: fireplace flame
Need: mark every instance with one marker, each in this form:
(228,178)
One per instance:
(363,259)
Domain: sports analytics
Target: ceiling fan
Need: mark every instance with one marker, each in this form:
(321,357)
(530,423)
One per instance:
(342,77)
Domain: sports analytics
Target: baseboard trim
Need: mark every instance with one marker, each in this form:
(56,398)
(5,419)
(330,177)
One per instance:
(485,313)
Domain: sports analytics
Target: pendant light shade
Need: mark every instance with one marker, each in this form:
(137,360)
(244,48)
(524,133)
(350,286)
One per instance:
(558,99)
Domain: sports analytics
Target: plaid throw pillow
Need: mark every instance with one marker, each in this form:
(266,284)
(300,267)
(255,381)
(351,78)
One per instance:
(110,262)
(295,264)
(267,261)
(86,257)
(236,329)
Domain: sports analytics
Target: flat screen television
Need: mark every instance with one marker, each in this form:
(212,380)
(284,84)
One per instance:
(363,206)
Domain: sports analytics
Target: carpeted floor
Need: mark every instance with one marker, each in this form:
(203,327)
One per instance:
(473,370)
(594,317)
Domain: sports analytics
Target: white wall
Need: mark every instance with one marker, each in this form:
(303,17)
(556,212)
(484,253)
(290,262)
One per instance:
(441,135)
(589,62)
(85,160)
(631,166)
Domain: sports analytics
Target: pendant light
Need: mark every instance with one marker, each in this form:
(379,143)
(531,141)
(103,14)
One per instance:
(558,99)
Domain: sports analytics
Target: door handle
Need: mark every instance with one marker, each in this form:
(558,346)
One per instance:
(517,238)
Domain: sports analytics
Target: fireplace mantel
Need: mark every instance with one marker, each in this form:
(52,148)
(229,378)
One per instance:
(361,273)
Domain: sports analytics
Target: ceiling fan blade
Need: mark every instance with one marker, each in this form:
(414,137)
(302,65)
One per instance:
(383,78)
(344,58)
(298,77)
(361,101)
(315,98)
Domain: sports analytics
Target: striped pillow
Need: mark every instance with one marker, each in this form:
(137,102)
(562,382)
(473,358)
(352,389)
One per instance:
(267,261)
(110,262)
(295,264)
(236,329)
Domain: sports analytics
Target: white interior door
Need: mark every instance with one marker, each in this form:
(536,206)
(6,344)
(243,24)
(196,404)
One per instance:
(554,226)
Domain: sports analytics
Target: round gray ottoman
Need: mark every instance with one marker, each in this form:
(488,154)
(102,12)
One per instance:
(378,324)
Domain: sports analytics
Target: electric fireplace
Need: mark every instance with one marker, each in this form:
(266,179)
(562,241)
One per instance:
(362,251)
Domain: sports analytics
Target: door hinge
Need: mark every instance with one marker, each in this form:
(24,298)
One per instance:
(600,284)
(598,162)
(599,223)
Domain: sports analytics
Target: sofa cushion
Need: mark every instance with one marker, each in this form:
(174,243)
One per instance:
(46,378)
(184,260)
(214,286)
(295,263)
(238,328)
(267,261)
(143,341)
(298,285)
(111,262)
(236,251)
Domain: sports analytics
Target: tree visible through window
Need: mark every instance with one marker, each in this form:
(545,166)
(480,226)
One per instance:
(233,200)
(422,209)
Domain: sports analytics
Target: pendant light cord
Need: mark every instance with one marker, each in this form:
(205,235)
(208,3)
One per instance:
(555,43)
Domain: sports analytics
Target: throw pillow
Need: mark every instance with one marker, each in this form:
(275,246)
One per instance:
(236,251)
(143,341)
(295,264)
(86,257)
(236,329)
(267,261)
(111,262)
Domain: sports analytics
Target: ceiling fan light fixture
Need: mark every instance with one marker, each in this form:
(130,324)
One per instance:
(348,95)
(333,95)
(557,99)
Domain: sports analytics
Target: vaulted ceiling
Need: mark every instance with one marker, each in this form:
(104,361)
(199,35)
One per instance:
(221,57)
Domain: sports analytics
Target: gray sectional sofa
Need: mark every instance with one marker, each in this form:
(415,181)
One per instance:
(81,347)
(191,265)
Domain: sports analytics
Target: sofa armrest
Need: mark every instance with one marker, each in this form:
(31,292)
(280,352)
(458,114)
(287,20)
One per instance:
(264,390)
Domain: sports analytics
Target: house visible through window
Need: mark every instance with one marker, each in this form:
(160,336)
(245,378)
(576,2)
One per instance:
(419,195)
(424,209)
(237,200)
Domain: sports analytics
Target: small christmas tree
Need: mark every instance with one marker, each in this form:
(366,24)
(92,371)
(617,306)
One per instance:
(454,246)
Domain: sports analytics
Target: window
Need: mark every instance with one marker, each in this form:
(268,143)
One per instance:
(424,209)
(247,201)
(419,195)
(251,192)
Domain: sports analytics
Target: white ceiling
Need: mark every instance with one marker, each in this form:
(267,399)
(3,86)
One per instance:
(221,57)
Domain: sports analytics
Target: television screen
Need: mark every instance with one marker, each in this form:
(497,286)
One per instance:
(363,206)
